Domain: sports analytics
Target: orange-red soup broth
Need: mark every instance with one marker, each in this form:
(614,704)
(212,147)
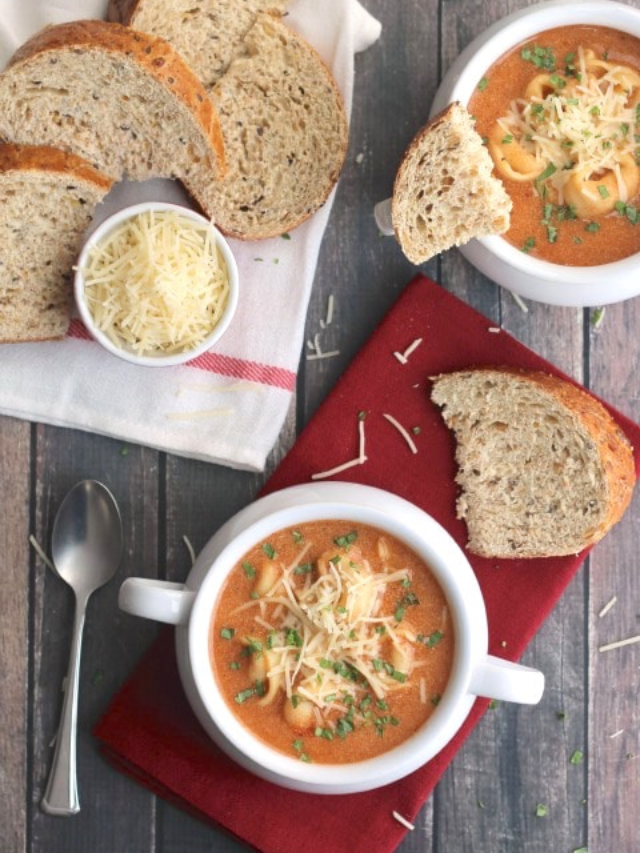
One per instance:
(553,97)
(332,641)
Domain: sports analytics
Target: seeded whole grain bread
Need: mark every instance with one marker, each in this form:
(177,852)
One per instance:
(123,100)
(208,33)
(47,199)
(445,193)
(544,469)
(282,116)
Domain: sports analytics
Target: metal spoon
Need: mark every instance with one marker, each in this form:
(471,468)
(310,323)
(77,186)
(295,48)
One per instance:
(86,547)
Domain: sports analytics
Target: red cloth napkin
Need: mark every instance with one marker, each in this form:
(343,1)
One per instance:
(149,728)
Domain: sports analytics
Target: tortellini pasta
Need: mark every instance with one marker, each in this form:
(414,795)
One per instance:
(572,136)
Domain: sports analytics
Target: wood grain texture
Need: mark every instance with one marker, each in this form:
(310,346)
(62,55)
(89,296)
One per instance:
(518,758)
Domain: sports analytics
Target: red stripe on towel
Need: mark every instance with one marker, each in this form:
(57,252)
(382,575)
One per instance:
(224,365)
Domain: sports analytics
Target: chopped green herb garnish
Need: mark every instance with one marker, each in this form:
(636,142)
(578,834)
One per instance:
(557,82)
(298,538)
(508,139)
(293,638)
(303,569)
(345,541)
(604,192)
(493,704)
(541,57)
(227,633)
(286,236)
(249,570)
(244,695)
(327,734)
(435,699)
(482,85)
(592,227)
(528,245)
(297,745)
(550,170)
(577,757)
(433,639)
(269,550)
(541,810)
(234,665)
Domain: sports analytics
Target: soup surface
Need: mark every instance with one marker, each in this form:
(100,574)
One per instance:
(332,641)
(560,115)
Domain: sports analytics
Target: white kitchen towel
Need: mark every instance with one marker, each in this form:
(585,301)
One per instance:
(229,405)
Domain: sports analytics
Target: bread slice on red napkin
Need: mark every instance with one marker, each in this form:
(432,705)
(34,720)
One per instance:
(149,728)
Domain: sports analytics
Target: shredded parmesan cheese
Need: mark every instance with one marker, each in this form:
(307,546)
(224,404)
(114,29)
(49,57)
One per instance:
(607,607)
(157,283)
(402,432)
(576,123)
(360,459)
(520,303)
(41,553)
(190,549)
(619,643)
(403,821)
(403,357)
(326,631)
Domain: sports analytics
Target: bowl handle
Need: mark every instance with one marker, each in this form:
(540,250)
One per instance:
(510,682)
(159,600)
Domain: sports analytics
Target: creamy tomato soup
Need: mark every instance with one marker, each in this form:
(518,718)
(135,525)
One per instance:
(332,641)
(560,115)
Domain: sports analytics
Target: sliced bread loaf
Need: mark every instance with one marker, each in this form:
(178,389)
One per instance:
(123,100)
(282,116)
(285,131)
(208,33)
(543,467)
(47,199)
(444,193)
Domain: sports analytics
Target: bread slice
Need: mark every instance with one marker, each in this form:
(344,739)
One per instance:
(123,100)
(282,116)
(445,193)
(47,199)
(543,467)
(285,131)
(208,33)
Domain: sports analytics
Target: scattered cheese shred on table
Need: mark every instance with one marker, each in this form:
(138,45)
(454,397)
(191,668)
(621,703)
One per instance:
(403,357)
(619,643)
(37,547)
(360,459)
(157,283)
(402,432)
(607,607)
(403,821)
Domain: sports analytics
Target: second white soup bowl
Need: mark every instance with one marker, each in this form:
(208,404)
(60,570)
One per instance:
(190,608)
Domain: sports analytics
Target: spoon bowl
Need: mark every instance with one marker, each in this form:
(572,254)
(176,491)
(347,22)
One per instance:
(86,548)
(86,542)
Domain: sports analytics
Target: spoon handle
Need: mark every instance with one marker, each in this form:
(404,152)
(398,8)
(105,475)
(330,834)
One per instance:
(61,794)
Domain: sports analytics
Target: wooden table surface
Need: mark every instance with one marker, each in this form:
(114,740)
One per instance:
(513,762)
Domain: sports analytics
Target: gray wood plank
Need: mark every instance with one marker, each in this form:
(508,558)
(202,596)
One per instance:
(112,643)
(613,744)
(15,454)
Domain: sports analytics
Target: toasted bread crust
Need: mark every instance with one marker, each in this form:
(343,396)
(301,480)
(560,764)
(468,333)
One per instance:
(154,55)
(43,158)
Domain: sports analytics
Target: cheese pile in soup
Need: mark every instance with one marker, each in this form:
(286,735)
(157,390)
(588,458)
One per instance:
(332,641)
(561,118)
